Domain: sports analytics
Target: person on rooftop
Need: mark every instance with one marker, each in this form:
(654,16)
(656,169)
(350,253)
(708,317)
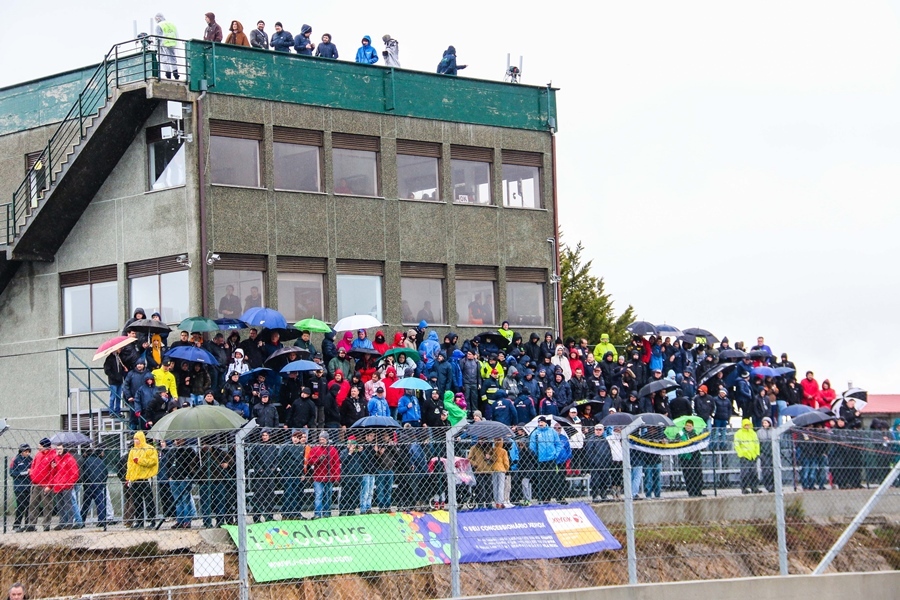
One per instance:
(366,53)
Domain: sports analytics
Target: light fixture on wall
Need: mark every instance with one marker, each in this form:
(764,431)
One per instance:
(212,257)
(184,261)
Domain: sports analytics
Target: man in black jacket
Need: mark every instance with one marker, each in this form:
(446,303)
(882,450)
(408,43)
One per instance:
(265,413)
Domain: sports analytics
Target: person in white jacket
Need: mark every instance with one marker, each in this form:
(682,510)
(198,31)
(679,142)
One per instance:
(391,52)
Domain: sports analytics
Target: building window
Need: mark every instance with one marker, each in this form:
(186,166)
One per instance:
(471,174)
(37,179)
(417,170)
(298,159)
(422,293)
(355,162)
(475,295)
(89,300)
(522,179)
(301,287)
(239,284)
(234,153)
(525,296)
(159,285)
(359,288)
(165,153)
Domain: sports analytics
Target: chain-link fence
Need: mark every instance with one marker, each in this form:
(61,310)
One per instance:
(378,512)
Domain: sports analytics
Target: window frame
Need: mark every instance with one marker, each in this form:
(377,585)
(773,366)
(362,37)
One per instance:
(295,265)
(156,267)
(517,158)
(356,143)
(472,155)
(242,263)
(153,137)
(360,268)
(89,278)
(241,131)
(476,273)
(426,272)
(420,150)
(305,138)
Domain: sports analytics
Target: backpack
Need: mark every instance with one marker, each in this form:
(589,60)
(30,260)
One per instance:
(444,65)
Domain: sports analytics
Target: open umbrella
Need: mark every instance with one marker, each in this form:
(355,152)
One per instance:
(493,338)
(410,354)
(261,316)
(858,393)
(668,330)
(230,324)
(795,410)
(715,371)
(700,335)
(285,334)
(655,419)
(764,372)
(281,356)
(596,404)
(70,438)
(813,417)
(198,325)
(298,366)
(411,383)
(313,326)
(759,354)
(374,421)
(839,402)
(197,421)
(113,344)
(672,432)
(149,326)
(660,385)
(782,371)
(488,430)
(192,354)
(251,375)
(617,419)
(642,328)
(731,353)
(354,322)
(360,352)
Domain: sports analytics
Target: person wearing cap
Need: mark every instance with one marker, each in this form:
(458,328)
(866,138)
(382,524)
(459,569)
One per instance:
(19,470)
(41,502)
(743,394)
(325,464)
(292,467)
(342,363)
(378,406)
(545,444)
(704,405)
(598,462)
(263,459)
(165,378)
(265,413)
(721,417)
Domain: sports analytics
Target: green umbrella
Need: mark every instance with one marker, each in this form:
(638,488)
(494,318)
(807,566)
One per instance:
(197,325)
(197,421)
(313,326)
(410,354)
(699,425)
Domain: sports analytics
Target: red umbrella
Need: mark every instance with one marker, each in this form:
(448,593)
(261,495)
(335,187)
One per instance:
(113,344)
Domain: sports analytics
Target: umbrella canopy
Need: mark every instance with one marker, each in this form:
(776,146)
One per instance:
(642,328)
(655,419)
(230,324)
(532,424)
(283,353)
(264,317)
(493,338)
(197,421)
(858,393)
(839,402)
(313,326)
(360,352)
(715,371)
(764,372)
(410,354)
(192,354)
(198,325)
(488,430)
(70,438)
(354,322)
(252,373)
(672,432)
(285,334)
(617,419)
(668,330)
(782,371)
(759,354)
(813,417)
(701,334)
(660,385)
(595,405)
(375,422)
(795,410)
(731,353)
(149,326)
(411,383)
(111,345)
(301,365)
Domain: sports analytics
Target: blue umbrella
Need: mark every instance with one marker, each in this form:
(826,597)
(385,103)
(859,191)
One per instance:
(264,317)
(411,383)
(795,410)
(252,373)
(192,354)
(764,372)
(376,422)
(784,371)
(230,324)
(668,330)
(301,365)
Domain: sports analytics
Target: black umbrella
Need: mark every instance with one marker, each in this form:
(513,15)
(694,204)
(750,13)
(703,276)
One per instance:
(361,352)
(597,404)
(656,386)
(488,430)
(642,328)
(759,354)
(715,371)
(813,417)
(617,419)
(149,326)
(732,353)
(280,357)
(286,334)
(699,332)
(492,338)
(655,420)
(375,421)
(70,438)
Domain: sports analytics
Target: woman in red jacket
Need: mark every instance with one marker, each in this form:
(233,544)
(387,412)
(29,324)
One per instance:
(325,463)
(810,390)
(63,477)
(826,395)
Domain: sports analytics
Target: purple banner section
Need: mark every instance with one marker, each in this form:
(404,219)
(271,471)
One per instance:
(551,531)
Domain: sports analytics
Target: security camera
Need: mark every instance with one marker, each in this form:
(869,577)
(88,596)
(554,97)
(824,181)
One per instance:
(212,257)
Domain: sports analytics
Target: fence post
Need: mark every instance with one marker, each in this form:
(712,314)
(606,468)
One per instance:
(779,498)
(241,475)
(80,118)
(450,468)
(629,501)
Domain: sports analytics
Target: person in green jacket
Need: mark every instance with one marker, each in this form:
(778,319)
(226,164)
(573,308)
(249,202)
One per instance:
(746,445)
(454,413)
(604,346)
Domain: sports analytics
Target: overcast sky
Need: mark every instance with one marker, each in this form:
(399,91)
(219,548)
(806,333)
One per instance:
(734,167)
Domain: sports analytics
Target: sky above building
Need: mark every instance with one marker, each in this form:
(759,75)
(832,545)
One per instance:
(728,166)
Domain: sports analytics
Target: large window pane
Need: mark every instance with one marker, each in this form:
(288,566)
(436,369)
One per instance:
(234,161)
(355,172)
(475,302)
(104,309)
(471,181)
(166,163)
(144,293)
(76,309)
(422,299)
(417,177)
(246,286)
(301,296)
(521,186)
(175,300)
(297,167)
(525,303)
(359,295)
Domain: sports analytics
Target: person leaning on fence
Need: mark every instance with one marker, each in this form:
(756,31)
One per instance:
(746,445)
(142,467)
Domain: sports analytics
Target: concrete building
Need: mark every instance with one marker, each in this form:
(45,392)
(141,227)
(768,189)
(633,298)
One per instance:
(316,187)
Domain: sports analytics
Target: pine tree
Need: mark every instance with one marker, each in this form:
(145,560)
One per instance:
(587,309)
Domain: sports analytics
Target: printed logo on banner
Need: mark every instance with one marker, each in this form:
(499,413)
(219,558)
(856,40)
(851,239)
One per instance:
(572,527)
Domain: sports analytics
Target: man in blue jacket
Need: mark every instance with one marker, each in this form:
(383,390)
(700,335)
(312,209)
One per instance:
(302,44)
(502,409)
(282,40)
(545,445)
(366,54)
(408,409)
